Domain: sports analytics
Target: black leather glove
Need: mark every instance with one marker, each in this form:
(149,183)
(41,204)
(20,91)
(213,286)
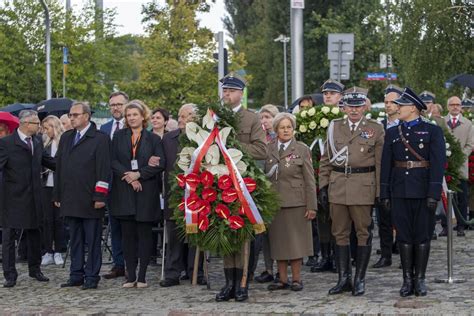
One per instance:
(385,204)
(324,198)
(431,203)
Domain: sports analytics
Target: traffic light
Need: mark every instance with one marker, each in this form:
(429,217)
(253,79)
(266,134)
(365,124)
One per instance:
(389,61)
(226,62)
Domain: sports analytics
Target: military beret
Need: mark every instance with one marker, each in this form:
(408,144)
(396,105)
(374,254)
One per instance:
(393,88)
(332,85)
(232,82)
(355,96)
(427,96)
(409,97)
(467,103)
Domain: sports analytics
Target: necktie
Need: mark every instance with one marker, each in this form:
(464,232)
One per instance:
(454,121)
(28,143)
(353,127)
(77,138)
(117,127)
(282,149)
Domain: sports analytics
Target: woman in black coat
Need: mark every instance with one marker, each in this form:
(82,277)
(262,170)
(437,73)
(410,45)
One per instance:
(134,196)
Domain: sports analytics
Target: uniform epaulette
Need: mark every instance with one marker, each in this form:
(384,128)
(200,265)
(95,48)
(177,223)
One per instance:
(338,119)
(301,143)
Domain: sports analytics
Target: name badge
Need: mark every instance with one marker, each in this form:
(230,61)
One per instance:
(134,164)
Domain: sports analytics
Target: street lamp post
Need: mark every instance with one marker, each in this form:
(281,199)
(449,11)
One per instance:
(284,39)
(47,23)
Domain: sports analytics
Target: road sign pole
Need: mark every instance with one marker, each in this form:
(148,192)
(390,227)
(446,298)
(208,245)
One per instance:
(339,60)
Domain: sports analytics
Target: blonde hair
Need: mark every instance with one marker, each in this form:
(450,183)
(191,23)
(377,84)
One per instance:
(141,107)
(57,128)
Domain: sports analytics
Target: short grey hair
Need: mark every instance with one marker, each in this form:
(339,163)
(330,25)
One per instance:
(280,117)
(86,108)
(192,106)
(24,114)
(270,109)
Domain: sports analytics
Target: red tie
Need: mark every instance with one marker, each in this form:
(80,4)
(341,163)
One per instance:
(454,121)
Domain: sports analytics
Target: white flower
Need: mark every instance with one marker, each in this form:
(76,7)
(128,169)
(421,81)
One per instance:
(368,116)
(381,113)
(303,114)
(312,125)
(345,116)
(448,153)
(324,122)
(325,109)
(208,120)
(311,111)
(447,145)
(195,133)
(434,122)
(185,158)
(335,110)
(303,129)
(379,119)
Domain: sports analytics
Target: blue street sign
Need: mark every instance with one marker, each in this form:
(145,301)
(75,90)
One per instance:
(65,53)
(380,76)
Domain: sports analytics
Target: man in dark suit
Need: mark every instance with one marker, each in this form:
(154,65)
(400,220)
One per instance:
(21,156)
(82,175)
(117,101)
(176,250)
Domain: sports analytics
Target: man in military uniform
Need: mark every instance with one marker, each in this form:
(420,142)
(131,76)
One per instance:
(413,162)
(332,93)
(252,139)
(392,92)
(428,99)
(349,174)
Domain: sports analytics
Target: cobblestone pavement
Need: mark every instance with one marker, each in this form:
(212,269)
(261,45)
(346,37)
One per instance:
(381,296)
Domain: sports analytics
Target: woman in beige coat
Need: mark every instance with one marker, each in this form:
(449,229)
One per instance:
(289,168)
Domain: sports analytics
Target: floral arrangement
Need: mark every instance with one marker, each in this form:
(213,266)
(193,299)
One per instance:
(312,123)
(455,158)
(220,197)
(375,114)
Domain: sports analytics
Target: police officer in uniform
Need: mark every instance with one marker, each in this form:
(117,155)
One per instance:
(349,177)
(413,162)
(332,93)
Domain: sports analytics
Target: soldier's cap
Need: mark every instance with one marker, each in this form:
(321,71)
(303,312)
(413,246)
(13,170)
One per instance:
(233,81)
(467,103)
(409,97)
(393,88)
(427,96)
(355,96)
(332,85)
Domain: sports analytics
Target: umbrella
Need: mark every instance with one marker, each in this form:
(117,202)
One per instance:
(9,120)
(317,99)
(55,107)
(465,80)
(16,108)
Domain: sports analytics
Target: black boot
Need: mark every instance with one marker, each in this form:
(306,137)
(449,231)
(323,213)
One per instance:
(241,293)
(362,261)
(422,253)
(344,269)
(325,263)
(406,260)
(228,291)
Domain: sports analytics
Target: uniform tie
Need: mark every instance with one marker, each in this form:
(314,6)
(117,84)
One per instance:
(353,127)
(28,143)
(77,138)
(282,149)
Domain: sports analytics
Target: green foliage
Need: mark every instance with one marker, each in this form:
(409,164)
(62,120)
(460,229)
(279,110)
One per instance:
(219,238)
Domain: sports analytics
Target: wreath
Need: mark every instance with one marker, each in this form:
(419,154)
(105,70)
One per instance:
(219,195)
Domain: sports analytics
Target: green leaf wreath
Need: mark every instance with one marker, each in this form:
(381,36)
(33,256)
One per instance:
(216,232)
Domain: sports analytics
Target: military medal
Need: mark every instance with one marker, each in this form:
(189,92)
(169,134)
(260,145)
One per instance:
(287,164)
(421,146)
(362,149)
(367,133)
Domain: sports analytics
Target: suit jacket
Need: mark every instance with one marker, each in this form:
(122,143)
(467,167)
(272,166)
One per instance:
(294,178)
(463,132)
(365,150)
(251,135)
(171,149)
(21,184)
(82,173)
(143,205)
(107,127)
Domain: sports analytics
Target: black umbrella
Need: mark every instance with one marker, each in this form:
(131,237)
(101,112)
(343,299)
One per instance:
(16,108)
(55,107)
(465,80)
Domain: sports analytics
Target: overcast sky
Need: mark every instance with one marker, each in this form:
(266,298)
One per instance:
(129,14)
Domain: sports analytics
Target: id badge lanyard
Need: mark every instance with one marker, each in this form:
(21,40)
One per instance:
(134,162)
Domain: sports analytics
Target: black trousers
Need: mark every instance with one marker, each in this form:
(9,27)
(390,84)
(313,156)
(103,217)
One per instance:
(385,231)
(137,241)
(33,239)
(179,257)
(413,220)
(53,224)
(463,198)
(85,231)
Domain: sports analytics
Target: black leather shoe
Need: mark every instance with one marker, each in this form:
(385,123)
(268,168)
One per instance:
(201,281)
(89,285)
(39,276)
(228,291)
(264,277)
(312,261)
(383,262)
(9,283)
(443,233)
(169,282)
(344,283)
(461,232)
(71,283)
(184,277)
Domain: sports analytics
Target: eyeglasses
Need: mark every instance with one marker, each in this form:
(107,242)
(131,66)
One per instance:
(454,104)
(74,115)
(35,123)
(116,105)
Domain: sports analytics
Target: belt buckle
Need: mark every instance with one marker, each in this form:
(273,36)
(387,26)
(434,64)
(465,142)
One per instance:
(347,170)
(410,164)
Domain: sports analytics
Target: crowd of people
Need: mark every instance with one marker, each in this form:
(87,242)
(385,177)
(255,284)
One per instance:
(65,172)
